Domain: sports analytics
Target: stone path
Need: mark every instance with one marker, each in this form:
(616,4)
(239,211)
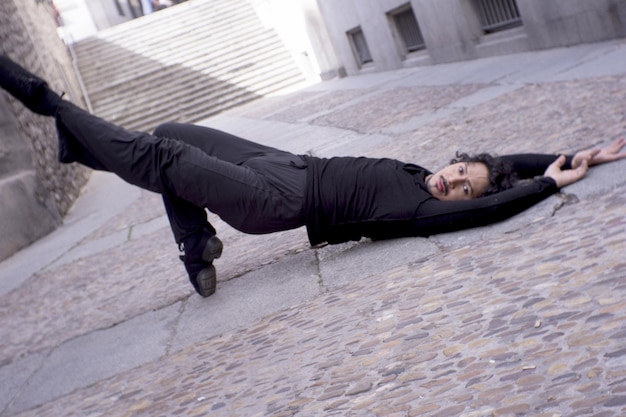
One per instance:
(525,317)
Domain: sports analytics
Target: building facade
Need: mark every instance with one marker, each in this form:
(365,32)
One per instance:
(347,37)
(380,35)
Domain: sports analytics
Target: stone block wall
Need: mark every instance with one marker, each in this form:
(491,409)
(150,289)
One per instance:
(452,30)
(557,23)
(35,189)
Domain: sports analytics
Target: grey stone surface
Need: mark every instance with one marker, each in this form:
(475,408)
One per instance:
(453,31)
(19,206)
(357,262)
(14,376)
(240,302)
(523,317)
(103,190)
(98,355)
(28,36)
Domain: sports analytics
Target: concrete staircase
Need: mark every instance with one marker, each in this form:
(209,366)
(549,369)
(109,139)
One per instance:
(183,64)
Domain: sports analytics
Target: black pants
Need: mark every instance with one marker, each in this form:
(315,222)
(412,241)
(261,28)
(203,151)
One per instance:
(254,188)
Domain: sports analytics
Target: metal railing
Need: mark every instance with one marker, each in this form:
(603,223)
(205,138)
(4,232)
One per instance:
(498,14)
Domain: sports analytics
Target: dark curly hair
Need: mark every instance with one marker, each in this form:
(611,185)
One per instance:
(501,174)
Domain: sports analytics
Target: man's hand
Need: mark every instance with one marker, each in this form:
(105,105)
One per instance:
(602,155)
(568,176)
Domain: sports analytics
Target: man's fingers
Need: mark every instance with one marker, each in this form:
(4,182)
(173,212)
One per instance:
(618,144)
(571,176)
(582,169)
(560,161)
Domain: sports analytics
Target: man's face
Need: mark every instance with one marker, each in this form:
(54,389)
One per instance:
(460,181)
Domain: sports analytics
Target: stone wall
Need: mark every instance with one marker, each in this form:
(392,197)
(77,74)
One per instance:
(35,189)
(557,23)
(452,31)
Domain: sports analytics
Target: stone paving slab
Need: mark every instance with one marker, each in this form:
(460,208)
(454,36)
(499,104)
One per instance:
(394,106)
(522,325)
(100,355)
(86,216)
(525,317)
(555,117)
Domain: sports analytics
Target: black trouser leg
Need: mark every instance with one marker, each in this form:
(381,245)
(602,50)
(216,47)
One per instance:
(262,194)
(214,142)
(185,218)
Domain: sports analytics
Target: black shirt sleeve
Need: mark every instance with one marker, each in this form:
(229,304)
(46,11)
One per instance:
(529,165)
(435,216)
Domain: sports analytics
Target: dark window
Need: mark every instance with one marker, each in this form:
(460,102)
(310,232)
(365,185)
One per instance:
(408,29)
(135,8)
(120,11)
(498,15)
(359,46)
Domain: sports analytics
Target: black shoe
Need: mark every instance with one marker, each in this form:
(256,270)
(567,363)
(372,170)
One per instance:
(31,90)
(201,249)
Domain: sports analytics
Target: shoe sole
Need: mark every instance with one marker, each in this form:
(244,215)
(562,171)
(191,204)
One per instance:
(213,249)
(207,278)
(207,281)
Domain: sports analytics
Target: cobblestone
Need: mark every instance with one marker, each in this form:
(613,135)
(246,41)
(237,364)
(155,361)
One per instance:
(531,322)
(513,369)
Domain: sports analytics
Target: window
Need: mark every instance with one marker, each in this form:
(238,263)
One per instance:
(136,10)
(498,15)
(120,11)
(359,46)
(407,29)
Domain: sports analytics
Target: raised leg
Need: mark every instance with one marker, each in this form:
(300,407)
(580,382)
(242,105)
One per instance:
(214,142)
(31,90)
(254,188)
(187,218)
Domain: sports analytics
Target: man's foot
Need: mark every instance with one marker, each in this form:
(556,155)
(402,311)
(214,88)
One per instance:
(201,249)
(31,90)
(205,281)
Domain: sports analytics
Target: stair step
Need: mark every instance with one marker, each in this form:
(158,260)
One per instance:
(195,44)
(168,77)
(200,98)
(180,16)
(184,63)
(213,62)
(198,106)
(205,92)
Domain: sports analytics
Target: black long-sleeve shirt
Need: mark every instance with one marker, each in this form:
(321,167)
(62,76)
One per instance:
(349,198)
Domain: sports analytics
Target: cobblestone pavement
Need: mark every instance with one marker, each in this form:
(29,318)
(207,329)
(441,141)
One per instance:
(532,322)
(522,325)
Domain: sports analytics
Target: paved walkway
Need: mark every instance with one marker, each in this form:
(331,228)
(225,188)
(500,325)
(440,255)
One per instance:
(526,317)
